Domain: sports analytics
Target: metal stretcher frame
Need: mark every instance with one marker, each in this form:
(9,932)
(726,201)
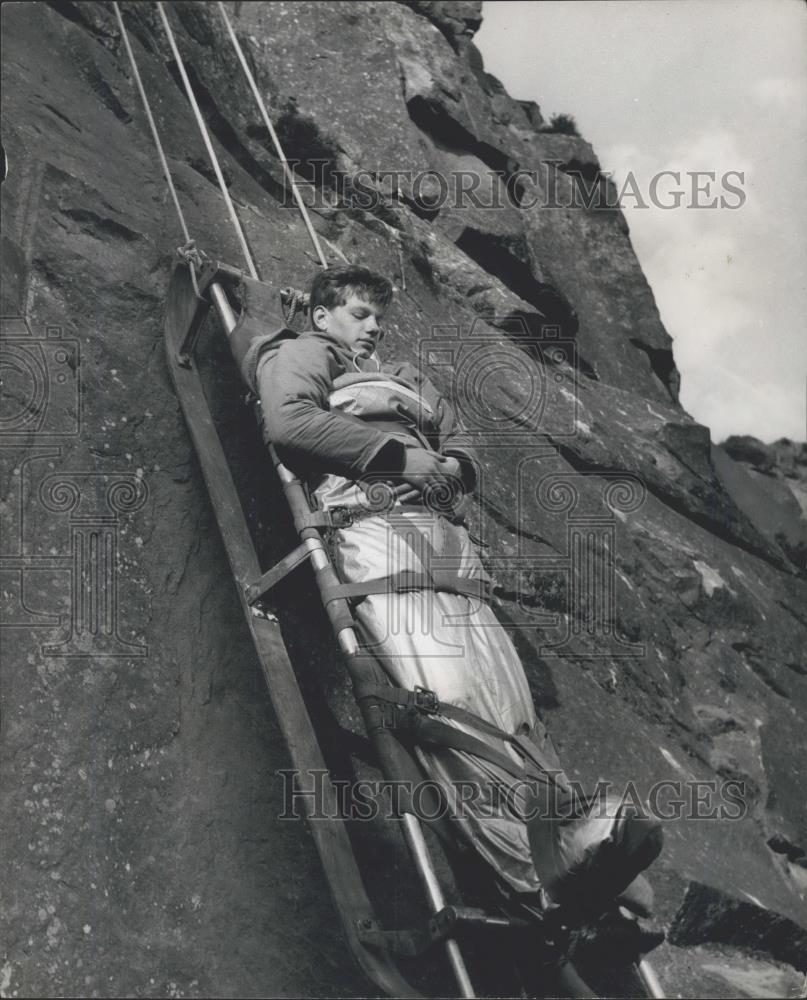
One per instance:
(373,948)
(185,313)
(188,303)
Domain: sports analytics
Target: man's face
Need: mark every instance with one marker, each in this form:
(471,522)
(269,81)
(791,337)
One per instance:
(356,324)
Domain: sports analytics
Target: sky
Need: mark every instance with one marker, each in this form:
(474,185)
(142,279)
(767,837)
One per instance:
(688,85)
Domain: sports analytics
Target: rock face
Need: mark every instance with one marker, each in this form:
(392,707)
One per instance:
(654,583)
(769,484)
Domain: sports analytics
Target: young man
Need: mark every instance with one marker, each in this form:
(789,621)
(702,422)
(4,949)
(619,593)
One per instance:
(346,309)
(359,431)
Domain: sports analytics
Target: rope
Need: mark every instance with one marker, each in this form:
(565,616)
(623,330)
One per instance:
(194,257)
(292,302)
(267,122)
(208,144)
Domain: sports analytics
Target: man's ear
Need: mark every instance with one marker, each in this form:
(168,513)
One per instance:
(319,317)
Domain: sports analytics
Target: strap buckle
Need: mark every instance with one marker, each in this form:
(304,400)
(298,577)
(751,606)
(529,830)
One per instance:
(341,517)
(425,699)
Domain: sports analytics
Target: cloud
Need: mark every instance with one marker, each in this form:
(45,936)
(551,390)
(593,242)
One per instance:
(728,404)
(730,284)
(720,280)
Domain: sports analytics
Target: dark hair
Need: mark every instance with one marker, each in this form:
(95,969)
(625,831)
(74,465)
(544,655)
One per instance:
(333,287)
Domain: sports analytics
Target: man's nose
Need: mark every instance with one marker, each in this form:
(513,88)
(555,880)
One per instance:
(371,325)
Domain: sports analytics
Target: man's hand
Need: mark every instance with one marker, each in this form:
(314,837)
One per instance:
(426,469)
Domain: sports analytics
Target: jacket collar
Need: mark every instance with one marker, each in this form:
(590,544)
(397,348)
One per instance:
(350,362)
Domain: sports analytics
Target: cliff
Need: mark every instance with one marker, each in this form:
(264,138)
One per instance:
(143,853)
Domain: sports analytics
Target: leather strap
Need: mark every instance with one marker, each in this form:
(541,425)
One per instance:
(421,704)
(436,733)
(336,517)
(406,580)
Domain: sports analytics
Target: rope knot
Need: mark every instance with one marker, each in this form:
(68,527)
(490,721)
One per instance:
(292,302)
(194,257)
(191,254)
